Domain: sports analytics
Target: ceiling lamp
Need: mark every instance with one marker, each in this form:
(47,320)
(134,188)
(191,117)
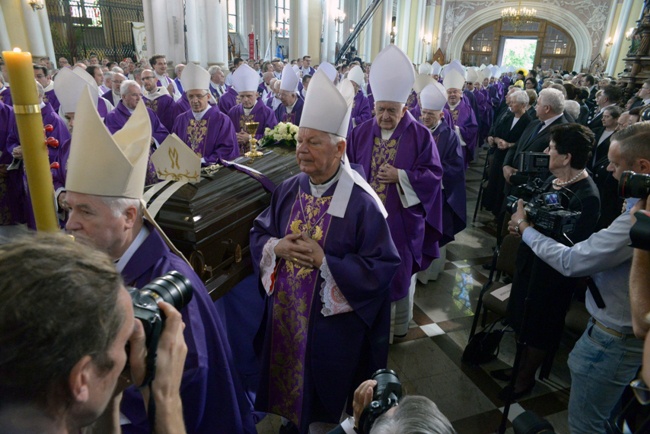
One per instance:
(518,17)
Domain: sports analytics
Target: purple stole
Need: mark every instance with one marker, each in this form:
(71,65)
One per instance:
(383,151)
(294,290)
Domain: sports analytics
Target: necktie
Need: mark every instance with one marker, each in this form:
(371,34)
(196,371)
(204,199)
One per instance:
(537,130)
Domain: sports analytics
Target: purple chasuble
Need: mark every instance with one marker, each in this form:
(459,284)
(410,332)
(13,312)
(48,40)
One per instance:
(228,100)
(454,209)
(50,97)
(260,113)
(361,111)
(165,108)
(10,210)
(417,229)
(463,117)
(110,97)
(338,350)
(213,399)
(212,137)
(102,108)
(294,117)
(116,120)
(5,95)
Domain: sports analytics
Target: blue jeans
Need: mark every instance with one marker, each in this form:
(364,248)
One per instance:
(601,366)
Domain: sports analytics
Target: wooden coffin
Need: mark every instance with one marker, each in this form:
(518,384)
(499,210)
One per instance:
(209,222)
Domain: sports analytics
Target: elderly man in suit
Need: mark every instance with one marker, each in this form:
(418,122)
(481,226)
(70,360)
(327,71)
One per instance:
(536,136)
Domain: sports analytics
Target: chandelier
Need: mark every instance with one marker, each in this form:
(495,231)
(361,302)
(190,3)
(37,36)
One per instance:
(518,17)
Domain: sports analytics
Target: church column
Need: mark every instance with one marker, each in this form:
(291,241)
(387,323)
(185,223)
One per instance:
(619,36)
(299,22)
(386,23)
(34,31)
(429,30)
(193,33)
(5,42)
(47,34)
(216,32)
(403,26)
(164,23)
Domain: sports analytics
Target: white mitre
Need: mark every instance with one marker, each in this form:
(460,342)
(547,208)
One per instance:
(424,68)
(195,77)
(435,68)
(289,80)
(329,70)
(433,97)
(102,164)
(453,80)
(392,76)
(326,108)
(175,161)
(245,79)
(472,75)
(69,85)
(356,75)
(422,81)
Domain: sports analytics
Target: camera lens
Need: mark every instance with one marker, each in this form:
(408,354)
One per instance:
(634,185)
(173,287)
(387,383)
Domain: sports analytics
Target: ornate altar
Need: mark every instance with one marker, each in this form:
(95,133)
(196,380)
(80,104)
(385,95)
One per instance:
(637,61)
(209,222)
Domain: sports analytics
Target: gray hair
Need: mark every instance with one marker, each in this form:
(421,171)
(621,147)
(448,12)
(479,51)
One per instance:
(554,99)
(572,108)
(126,84)
(213,69)
(119,205)
(178,67)
(414,414)
(117,69)
(520,97)
(334,139)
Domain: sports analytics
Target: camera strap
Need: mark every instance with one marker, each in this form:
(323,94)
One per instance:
(595,293)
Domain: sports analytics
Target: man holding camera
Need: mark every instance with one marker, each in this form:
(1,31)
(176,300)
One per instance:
(105,206)
(64,322)
(608,355)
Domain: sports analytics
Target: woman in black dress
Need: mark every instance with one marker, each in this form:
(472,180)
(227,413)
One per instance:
(539,291)
(504,133)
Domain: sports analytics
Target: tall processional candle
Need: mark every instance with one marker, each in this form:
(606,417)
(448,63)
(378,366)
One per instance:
(32,137)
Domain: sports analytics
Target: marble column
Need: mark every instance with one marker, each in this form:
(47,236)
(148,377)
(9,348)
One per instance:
(34,31)
(298,42)
(164,22)
(386,23)
(619,36)
(5,42)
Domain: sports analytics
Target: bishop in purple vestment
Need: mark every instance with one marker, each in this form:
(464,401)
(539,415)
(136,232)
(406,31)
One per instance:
(228,100)
(158,99)
(462,116)
(290,110)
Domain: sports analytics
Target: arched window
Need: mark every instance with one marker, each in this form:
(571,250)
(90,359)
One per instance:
(282,15)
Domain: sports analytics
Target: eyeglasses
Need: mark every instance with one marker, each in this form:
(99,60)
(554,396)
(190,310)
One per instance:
(641,391)
(147,78)
(193,97)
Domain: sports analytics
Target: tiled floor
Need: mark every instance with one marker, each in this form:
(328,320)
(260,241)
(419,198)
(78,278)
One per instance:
(428,359)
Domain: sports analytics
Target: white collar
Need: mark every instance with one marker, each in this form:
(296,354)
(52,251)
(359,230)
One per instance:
(160,91)
(385,134)
(49,87)
(319,189)
(198,116)
(135,245)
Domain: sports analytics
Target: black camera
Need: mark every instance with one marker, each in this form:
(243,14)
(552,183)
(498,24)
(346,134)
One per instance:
(544,210)
(531,163)
(634,185)
(175,289)
(386,395)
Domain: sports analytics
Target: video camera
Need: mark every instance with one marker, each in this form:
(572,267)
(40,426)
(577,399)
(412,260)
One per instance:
(175,289)
(530,165)
(544,209)
(386,395)
(637,185)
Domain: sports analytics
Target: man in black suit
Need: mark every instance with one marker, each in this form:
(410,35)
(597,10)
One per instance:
(609,96)
(536,136)
(643,95)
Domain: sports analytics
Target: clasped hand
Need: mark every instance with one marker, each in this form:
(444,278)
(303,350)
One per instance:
(301,250)
(387,174)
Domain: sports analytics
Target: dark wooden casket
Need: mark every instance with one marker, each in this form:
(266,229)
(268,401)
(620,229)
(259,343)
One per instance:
(209,222)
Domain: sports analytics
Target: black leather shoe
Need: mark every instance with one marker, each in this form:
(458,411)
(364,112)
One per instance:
(502,374)
(507,393)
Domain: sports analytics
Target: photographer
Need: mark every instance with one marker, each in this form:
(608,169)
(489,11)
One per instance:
(65,319)
(540,296)
(413,414)
(640,293)
(608,355)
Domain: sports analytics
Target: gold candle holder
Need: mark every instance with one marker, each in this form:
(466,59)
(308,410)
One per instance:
(251,128)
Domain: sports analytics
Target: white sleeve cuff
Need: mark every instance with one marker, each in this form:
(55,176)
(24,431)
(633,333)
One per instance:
(407,195)
(348,426)
(333,300)
(267,264)
(460,136)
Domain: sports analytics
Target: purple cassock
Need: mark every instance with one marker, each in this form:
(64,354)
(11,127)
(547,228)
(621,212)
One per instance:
(111,97)
(61,134)
(213,137)
(454,208)
(371,99)
(10,182)
(412,102)
(228,100)
(103,107)
(463,117)
(213,399)
(50,97)
(317,350)
(416,229)
(115,121)
(361,111)
(296,113)
(165,108)
(5,96)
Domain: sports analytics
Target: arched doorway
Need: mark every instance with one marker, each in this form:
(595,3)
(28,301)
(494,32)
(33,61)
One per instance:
(555,48)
